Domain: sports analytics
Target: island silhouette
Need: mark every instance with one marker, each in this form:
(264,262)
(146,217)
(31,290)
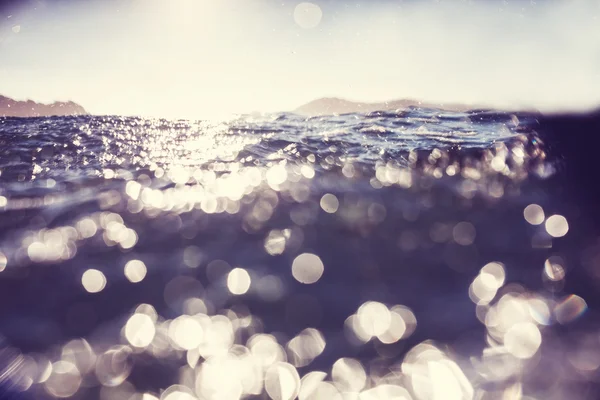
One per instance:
(335,105)
(29,108)
(324,106)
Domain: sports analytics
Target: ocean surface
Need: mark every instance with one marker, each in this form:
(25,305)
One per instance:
(420,254)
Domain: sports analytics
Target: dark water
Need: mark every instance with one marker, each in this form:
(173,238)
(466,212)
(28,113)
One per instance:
(414,255)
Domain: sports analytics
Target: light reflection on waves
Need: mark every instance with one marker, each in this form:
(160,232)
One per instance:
(194,271)
(78,147)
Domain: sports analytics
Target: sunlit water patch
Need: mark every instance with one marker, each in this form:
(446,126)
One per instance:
(409,255)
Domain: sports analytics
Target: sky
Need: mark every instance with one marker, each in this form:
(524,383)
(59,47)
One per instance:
(192,58)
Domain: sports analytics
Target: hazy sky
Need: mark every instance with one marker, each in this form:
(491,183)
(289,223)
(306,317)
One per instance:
(201,57)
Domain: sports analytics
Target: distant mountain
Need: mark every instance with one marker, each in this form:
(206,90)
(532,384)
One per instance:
(333,105)
(15,108)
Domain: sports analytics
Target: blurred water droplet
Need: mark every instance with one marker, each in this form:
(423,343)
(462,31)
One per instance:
(282,381)
(140,330)
(557,226)
(238,281)
(64,380)
(307,15)
(307,268)
(93,281)
(329,203)
(523,340)
(135,271)
(348,375)
(534,214)
(570,309)
(374,318)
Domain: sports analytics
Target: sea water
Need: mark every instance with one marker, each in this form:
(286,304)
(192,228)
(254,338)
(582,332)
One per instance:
(416,254)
